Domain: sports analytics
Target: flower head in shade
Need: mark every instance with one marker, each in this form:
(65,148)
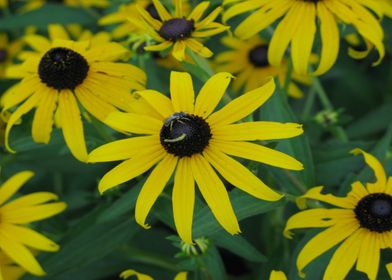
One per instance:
(58,74)
(247,59)
(9,49)
(126,11)
(191,141)
(299,21)
(359,223)
(15,237)
(179,31)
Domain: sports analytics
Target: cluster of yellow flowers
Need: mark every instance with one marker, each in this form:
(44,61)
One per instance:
(73,74)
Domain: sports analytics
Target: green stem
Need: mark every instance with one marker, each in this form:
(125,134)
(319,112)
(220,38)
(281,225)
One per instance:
(338,130)
(297,184)
(289,75)
(152,259)
(309,104)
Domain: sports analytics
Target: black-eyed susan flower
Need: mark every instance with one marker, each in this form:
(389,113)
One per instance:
(8,269)
(8,51)
(126,11)
(36,4)
(179,32)
(188,139)
(60,73)
(247,59)
(299,21)
(360,224)
(15,237)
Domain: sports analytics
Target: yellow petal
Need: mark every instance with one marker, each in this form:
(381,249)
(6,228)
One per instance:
(239,176)
(163,13)
(369,254)
(211,93)
(315,193)
(139,276)
(13,184)
(161,103)
(178,51)
(38,42)
(184,199)
(31,238)
(131,168)
(277,275)
(43,117)
(317,218)
(123,149)
(20,254)
(214,193)
(30,200)
(242,106)
(181,92)
(57,31)
(181,276)
(345,256)
(134,123)
(198,11)
(324,241)
(258,153)
(153,187)
(252,131)
(72,125)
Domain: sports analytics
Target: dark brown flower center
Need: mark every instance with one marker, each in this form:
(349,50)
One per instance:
(176,29)
(3,55)
(62,68)
(258,56)
(184,134)
(374,212)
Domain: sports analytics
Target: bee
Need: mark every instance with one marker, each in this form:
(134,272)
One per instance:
(169,122)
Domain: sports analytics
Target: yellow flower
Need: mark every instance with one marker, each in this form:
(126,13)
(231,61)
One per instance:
(140,276)
(186,139)
(15,238)
(361,223)
(36,4)
(277,275)
(57,74)
(129,10)
(247,59)
(8,51)
(298,28)
(180,32)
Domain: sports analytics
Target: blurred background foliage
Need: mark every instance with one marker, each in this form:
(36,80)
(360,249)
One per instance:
(98,235)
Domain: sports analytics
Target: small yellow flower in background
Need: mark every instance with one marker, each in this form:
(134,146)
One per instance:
(36,4)
(15,238)
(8,51)
(8,269)
(180,32)
(298,28)
(248,61)
(277,275)
(129,10)
(361,224)
(140,276)
(60,72)
(188,138)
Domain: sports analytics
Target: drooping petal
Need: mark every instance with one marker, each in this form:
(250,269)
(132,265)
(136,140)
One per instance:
(239,176)
(258,153)
(130,272)
(153,187)
(369,254)
(324,241)
(211,93)
(345,256)
(181,92)
(13,184)
(184,199)
(215,194)
(242,106)
(131,168)
(72,125)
